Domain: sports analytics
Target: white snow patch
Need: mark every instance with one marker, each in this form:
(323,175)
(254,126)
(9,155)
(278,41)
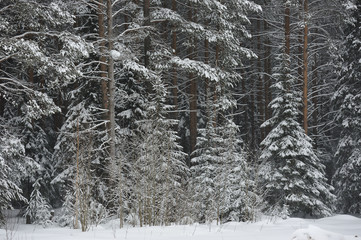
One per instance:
(115,54)
(341,227)
(315,233)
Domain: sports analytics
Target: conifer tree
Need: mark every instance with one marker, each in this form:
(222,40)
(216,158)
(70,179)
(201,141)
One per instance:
(14,165)
(210,160)
(241,202)
(38,209)
(160,169)
(347,98)
(293,175)
(205,163)
(75,157)
(35,37)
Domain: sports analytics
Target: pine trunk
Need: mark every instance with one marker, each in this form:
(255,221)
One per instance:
(192,97)
(215,97)
(260,90)
(206,81)
(2,108)
(305,70)
(315,101)
(267,78)
(287,28)
(146,12)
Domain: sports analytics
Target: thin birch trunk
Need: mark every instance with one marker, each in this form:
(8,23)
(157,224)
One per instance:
(102,60)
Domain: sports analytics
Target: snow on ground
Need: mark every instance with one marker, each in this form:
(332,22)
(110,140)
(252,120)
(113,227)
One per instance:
(340,227)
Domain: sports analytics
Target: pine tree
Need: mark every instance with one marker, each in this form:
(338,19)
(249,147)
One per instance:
(347,99)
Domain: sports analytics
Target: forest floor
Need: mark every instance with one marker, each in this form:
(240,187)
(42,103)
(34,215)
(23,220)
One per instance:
(339,227)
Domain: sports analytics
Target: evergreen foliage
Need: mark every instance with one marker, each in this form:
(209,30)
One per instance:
(150,111)
(38,209)
(160,168)
(292,172)
(347,99)
(14,164)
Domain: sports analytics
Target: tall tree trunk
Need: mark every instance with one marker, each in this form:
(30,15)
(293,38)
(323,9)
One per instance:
(260,90)
(252,103)
(2,107)
(31,75)
(111,81)
(206,83)
(300,47)
(146,12)
(267,78)
(103,61)
(192,97)
(305,69)
(112,102)
(175,77)
(77,185)
(287,28)
(315,101)
(215,96)
(28,182)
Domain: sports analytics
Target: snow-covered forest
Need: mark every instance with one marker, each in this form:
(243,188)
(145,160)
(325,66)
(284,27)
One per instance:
(161,112)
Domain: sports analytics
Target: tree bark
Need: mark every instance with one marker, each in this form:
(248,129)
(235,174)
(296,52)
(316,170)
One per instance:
(300,48)
(260,90)
(77,185)
(267,78)
(175,77)
(192,97)
(215,96)
(2,107)
(287,28)
(112,101)
(146,12)
(206,81)
(111,81)
(305,69)
(252,103)
(315,101)
(103,60)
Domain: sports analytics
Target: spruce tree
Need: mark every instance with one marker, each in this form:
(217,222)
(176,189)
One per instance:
(38,53)
(160,169)
(241,200)
(293,175)
(347,99)
(13,166)
(38,209)
(205,163)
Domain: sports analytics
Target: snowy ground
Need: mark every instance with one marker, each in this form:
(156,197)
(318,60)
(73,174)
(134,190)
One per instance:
(341,227)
